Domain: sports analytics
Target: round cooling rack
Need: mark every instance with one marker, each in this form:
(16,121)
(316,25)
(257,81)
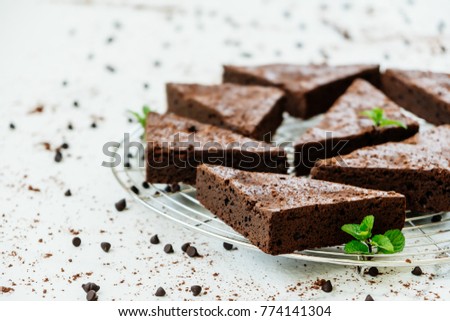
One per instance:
(427,236)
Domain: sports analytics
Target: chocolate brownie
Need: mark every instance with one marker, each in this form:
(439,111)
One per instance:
(253,111)
(283,213)
(343,129)
(418,168)
(177,145)
(310,89)
(425,93)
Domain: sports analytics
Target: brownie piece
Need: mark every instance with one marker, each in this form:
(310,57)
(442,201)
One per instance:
(343,128)
(418,168)
(253,111)
(283,213)
(425,93)
(310,89)
(177,145)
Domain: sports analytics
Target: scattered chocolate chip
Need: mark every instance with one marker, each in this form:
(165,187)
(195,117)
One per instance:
(192,251)
(175,188)
(157,63)
(129,155)
(146,86)
(58,156)
(12,126)
(110,68)
(90,287)
(192,129)
(64,83)
(105,246)
(76,241)
(120,205)
(70,126)
(154,239)
(127,165)
(327,287)
(135,189)
(92,296)
(110,40)
(160,292)
(168,248)
(168,189)
(185,246)
(157,193)
(417,271)
(436,218)
(369,298)
(94,125)
(373,271)
(68,193)
(227,246)
(145,185)
(75,104)
(196,289)
(65,146)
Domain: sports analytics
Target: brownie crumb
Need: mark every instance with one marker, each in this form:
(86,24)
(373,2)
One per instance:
(185,246)
(168,248)
(154,239)
(417,271)
(327,287)
(196,290)
(76,241)
(105,246)
(68,193)
(373,271)
(90,287)
(92,296)
(160,292)
(369,298)
(121,205)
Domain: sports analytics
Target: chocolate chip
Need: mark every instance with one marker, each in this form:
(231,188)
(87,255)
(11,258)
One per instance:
(154,239)
(175,188)
(168,248)
(68,193)
(146,85)
(110,68)
(192,129)
(92,296)
(227,246)
(58,156)
(65,146)
(135,189)
(417,271)
(12,126)
(127,165)
(369,298)
(436,218)
(120,205)
(64,83)
(192,251)
(160,292)
(69,126)
(185,246)
(105,246)
(145,185)
(327,287)
(373,271)
(168,189)
(196,289)
(76,241)
(90,287)
(75,104)
(94,125)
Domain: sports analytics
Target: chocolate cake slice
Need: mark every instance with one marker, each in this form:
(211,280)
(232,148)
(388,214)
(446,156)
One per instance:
(418,168)
(425,93)
(283,213)
(344,129)
(310,89)
(253,111)
(177,145)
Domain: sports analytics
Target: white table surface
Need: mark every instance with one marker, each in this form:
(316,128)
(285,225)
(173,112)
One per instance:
(44,43)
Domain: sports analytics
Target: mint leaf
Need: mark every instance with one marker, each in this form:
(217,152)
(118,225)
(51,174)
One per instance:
(383,244)
(388,122)
(397,239)
(355,231)
(356,247)
(367,224)
(142,119)
(377,116)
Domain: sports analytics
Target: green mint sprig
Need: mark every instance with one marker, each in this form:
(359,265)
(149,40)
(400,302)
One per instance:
(377,116)
(391,241)
(141,118)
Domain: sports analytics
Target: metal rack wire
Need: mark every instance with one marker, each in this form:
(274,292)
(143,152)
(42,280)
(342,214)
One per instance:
(427,242)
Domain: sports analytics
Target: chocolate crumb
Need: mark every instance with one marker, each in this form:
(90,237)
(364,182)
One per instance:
(58,156)
(12,126)
(90,287)
(121,205)
(93,125)
(75,103)
(373,271)
(70,126)
(76,241)
(369,298)
(154,239)
(168,248)
(68,193)
(327,287)
(65,146)
(127,165)
(196,290)
(417,271)
(105,246)
(160,292)
(185,246)
(92,296)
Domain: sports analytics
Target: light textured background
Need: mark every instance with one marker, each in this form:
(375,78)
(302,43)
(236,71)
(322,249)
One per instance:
(43,43)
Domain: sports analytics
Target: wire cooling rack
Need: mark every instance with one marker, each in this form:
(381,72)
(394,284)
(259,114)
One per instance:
(427,236)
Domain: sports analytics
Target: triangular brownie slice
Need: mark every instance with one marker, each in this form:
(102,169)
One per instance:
(253,111)
(425,93)
(418,168)
(344,128)
(283,213)
(310,89)
(177,145)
